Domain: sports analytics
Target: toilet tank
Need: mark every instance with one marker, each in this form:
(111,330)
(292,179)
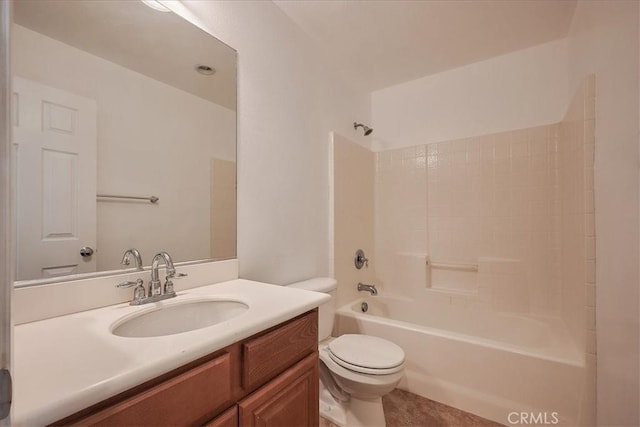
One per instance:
(326,311)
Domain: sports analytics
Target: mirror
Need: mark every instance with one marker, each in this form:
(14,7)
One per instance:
(124,130)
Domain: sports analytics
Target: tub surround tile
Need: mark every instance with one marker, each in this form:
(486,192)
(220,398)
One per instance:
(590,315)
(591,342)
(491,196)
(590,271)
(578,269)
(590,291)
(589,224)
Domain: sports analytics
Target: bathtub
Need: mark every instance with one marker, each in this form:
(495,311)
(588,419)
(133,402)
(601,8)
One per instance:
(495,365)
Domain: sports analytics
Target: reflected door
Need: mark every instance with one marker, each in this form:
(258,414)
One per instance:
(55,137)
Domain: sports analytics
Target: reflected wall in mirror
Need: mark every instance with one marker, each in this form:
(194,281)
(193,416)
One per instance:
(109,99)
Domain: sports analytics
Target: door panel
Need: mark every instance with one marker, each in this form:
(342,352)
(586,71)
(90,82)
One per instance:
(60,173)
(55,137)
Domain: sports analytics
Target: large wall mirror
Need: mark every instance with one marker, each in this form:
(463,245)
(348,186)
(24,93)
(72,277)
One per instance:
(124,129)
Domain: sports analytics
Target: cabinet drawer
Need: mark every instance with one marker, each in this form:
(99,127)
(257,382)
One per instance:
(187,399)
(266,356)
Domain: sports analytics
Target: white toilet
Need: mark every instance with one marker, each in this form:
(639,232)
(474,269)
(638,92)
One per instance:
(355,370)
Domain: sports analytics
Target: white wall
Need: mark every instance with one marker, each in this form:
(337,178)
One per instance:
(288,101)
(518,90)
(143,127)
(604,40)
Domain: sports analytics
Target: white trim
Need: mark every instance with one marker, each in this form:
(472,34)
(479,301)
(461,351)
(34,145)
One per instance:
(7,194)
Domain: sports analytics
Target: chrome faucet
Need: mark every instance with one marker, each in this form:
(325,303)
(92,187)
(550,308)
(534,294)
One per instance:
(368,288)
(155,288)
(157,292)
(128,254)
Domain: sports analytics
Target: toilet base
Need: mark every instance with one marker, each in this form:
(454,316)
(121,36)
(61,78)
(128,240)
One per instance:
(355,413)
(331,409)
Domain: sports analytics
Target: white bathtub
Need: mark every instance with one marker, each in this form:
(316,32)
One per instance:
(490,364)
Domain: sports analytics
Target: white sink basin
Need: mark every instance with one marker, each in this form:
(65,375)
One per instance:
(177,318)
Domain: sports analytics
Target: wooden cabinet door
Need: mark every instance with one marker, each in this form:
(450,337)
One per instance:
(228,418)
(291,399)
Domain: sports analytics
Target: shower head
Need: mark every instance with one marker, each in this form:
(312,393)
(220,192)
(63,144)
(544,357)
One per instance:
(367,130)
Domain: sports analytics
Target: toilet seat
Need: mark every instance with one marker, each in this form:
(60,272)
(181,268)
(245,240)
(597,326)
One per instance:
(353,382)
(366,354)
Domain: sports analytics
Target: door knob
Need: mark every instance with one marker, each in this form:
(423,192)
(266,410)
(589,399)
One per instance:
(86,252)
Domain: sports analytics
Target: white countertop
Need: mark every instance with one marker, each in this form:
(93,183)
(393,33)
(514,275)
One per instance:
(67,363)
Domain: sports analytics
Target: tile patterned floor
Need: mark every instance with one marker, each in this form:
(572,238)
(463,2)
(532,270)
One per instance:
(404,409)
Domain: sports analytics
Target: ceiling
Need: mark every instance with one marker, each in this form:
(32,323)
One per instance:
(160,45)
(385,42)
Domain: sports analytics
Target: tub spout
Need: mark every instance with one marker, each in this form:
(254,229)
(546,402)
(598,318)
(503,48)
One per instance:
(368,288)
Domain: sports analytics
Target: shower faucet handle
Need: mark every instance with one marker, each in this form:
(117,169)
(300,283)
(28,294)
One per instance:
(360,259)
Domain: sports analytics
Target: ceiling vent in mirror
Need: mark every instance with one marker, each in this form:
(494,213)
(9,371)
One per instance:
(205,69)
(156,5)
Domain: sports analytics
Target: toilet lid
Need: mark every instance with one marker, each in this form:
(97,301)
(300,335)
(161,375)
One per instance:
(366,354)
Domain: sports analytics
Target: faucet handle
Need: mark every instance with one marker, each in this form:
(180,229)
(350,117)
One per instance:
(129,283)
(139,293)
(168,284)
(175,275)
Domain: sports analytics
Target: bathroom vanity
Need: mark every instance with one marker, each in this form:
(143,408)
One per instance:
(270,378)
(257,368)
